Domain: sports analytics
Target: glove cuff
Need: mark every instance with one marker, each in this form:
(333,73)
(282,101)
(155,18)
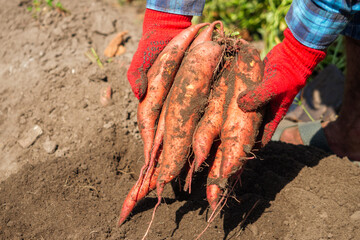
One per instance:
(304,58)
(164,20)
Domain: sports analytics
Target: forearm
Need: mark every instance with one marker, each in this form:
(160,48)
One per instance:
(182,7)
(317,23)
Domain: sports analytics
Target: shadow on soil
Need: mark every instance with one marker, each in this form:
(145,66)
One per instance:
(263,178)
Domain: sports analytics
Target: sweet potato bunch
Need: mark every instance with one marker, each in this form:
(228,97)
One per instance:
(191,102)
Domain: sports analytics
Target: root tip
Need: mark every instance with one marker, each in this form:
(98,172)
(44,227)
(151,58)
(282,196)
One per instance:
(121,221)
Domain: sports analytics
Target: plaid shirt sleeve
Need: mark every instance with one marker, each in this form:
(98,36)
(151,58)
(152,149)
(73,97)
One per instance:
(183,7)
(317,23)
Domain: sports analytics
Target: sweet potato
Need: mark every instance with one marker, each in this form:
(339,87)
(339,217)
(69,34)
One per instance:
(160,77)
(206,35)
(213,190)
(240,129)
(195,90)
(159,135)
(210,124)
(113,47)
(187,100)
(138,191)
(179,125)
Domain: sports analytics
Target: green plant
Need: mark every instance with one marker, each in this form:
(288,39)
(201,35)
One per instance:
(298,102)
(94,57)
(57,5)
(38,6)
(265,21)
(35,6)
(335,55)
(49,3)
(236,14)
(274,24)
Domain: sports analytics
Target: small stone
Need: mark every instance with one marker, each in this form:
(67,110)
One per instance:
(49,146)
(30,137)
(330,235)
(108,125)
(355,216)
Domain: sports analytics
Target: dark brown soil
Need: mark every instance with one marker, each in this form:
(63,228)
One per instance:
(77,192)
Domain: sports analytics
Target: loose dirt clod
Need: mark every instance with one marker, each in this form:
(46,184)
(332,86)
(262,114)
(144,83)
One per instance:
(49,146)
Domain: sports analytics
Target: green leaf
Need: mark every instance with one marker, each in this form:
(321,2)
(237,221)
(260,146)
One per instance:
(49,3)
(59,5)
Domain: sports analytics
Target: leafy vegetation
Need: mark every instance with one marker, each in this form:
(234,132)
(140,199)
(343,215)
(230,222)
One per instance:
(335,55)
(263,19)
(36,7)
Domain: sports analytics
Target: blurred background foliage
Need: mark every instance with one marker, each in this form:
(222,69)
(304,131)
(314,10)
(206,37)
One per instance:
(262,20)
(254,19)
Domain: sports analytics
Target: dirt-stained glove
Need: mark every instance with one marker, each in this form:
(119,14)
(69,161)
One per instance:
(287,67)
(158,29)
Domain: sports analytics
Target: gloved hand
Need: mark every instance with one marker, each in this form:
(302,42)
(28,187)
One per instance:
(287,67)
(158,29)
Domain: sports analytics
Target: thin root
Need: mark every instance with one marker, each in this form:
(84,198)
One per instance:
(248,214)
(152,218)
(217,210)
(189,178)
(214,214)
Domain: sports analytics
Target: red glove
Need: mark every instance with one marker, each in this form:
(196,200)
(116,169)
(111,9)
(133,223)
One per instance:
(158,29)
(287,67)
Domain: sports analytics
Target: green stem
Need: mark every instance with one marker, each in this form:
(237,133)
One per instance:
(299,103)
(97,58)
(307,113)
